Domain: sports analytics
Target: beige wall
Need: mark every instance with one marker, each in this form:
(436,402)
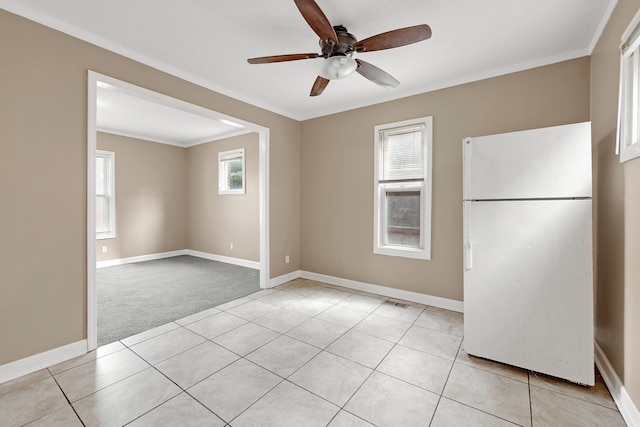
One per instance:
(151,198)
(337,171)
(43,156)
(632,280)
(617,291)
(216,221)
(167,200)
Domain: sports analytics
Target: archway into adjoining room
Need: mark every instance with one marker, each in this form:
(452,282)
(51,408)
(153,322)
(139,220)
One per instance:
(229,129)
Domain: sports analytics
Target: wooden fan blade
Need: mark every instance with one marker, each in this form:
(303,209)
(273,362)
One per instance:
(376,75)
(282,58)
(318,86)
(317,20)
(394,38)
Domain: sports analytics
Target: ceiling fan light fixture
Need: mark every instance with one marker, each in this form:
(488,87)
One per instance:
(336,66)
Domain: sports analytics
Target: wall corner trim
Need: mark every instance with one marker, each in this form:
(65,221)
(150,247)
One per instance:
(276,281)
(42,360)
(131,260)
(416,297)
(221,258)
(627,407)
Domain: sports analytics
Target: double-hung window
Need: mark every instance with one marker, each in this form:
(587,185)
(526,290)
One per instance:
(105,195)
(629,102)
(231,172)
(402,194)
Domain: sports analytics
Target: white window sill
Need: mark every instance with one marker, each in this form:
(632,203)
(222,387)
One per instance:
(103,236)
(239,191)
(399,251)
(630,152)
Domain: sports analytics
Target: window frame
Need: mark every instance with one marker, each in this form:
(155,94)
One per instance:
(628,136)
(424,186)
(110,196)
(223,158)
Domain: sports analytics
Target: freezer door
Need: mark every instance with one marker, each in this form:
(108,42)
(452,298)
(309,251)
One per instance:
(528,286)
(552,162)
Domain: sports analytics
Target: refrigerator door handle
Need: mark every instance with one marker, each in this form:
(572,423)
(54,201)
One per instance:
(466,233)
(468,255)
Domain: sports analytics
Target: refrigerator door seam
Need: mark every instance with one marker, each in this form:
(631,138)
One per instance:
(536,199)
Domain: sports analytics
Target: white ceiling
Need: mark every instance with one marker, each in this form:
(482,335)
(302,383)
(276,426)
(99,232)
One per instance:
(126,112)
(208,42)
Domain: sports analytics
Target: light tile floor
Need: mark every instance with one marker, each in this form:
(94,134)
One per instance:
(302,354)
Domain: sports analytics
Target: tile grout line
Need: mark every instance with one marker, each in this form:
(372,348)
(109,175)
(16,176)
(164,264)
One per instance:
(182,390)
(376,367)
(589,402)
(462,403)
(66,398)
(341,408)
(562,392)
(243,357)
(441,395)
(150,366)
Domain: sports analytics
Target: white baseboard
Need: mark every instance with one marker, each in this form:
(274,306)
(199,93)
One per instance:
(161,255)
(276,281)
(627,408)
(140,258)
(43,360)
(445,303)
(221,258)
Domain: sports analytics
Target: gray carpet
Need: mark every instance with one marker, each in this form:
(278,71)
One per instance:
(133,298)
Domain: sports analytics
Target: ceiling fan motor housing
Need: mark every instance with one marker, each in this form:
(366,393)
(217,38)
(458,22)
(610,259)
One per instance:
(344,46)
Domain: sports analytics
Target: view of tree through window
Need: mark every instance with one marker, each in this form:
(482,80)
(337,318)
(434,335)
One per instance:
(403,218)
(231,172)
(234,174)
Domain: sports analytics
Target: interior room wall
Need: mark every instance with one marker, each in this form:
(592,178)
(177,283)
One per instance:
(43,159)
(337,171)
(218,220)
(151,198)
(617,250)
(167,200)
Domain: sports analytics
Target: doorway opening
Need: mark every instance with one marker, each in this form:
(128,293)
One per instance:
(228,127)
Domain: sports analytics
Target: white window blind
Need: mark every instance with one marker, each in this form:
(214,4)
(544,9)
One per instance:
(402,153)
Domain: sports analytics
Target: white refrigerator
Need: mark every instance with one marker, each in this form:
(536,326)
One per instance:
(528,275)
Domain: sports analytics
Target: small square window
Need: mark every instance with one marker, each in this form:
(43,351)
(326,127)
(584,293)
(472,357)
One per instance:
(231,172)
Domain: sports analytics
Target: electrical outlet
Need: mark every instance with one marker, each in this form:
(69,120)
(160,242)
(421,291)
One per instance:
(286,259)
(104,249)
(231,246)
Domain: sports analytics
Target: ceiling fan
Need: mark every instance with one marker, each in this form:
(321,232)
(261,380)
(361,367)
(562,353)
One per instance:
(338,47)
